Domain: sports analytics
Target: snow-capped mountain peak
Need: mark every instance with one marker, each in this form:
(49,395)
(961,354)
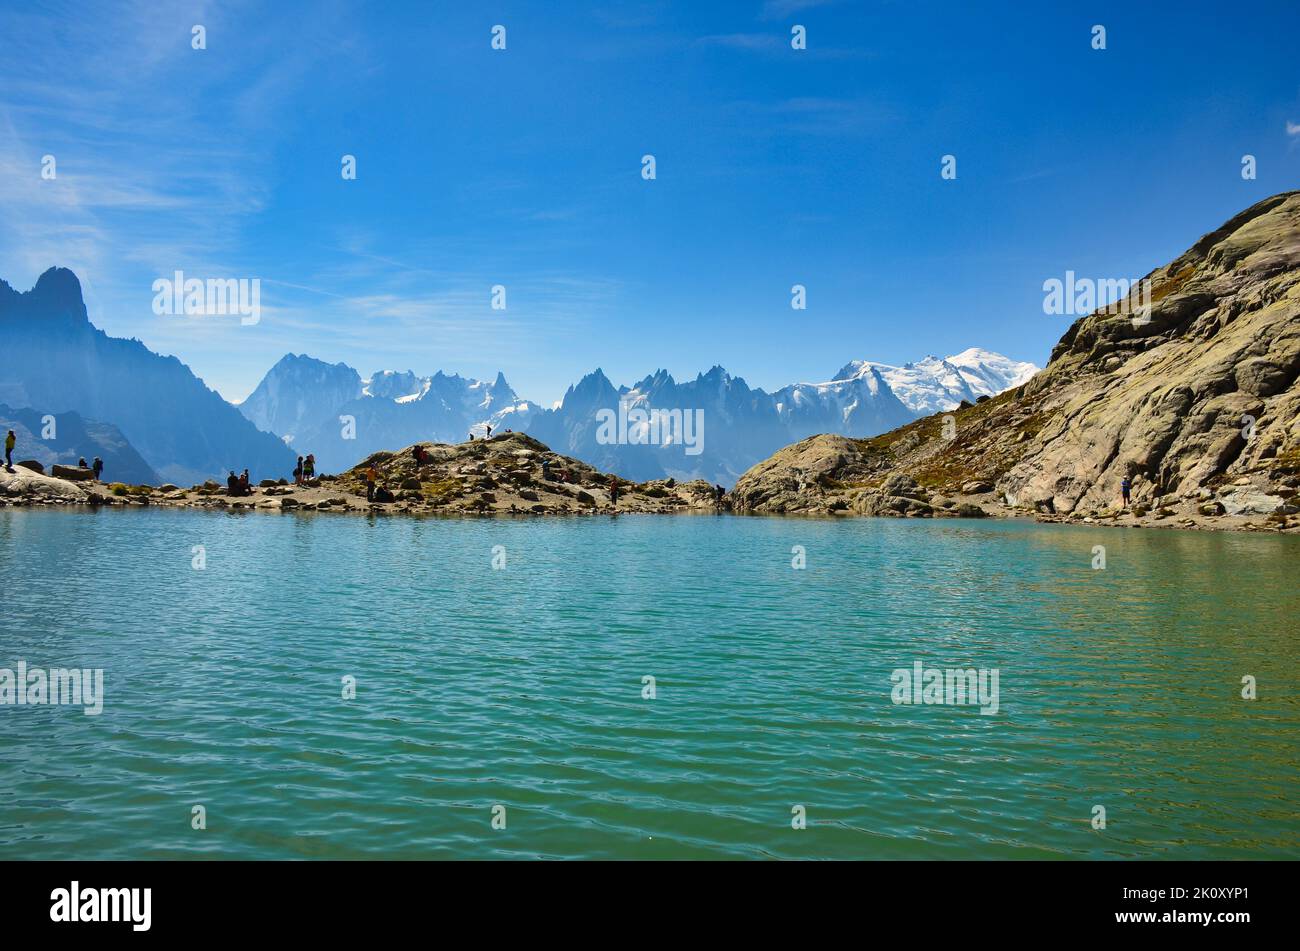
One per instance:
(935,384)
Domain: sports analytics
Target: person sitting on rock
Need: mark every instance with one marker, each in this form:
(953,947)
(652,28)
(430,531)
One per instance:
(10,441)
(232,483)
(245,484)
(372,476)
(81,463)
(97,467)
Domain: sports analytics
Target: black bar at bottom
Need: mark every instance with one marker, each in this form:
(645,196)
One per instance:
(334,900)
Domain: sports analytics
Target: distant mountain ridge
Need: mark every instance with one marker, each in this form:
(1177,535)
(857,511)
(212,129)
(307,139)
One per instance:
(332,412)
(185,432)
(56,361)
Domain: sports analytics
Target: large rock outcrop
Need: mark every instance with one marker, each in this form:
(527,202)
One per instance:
(25,484)
(1193,398)
(509,474)
(515,473)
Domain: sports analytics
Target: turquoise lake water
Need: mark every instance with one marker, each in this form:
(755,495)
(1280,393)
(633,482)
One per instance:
(522,687)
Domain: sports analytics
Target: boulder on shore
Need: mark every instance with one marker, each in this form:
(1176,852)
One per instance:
(73,473)
(28,485)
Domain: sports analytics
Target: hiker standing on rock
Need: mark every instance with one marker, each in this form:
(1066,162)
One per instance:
(297,473)
(371,477)
(613,491)
(309,467)
(10,441)
(97,467)
(1125,486)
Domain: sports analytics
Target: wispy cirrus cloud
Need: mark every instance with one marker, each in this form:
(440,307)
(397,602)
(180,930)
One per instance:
(141,174)
(813,115)
(743,41)
(775,9)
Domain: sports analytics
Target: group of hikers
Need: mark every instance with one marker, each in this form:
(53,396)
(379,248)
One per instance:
(378,493)
(242,484)
(11,441)
(238,484)
(487,432)
(305,470)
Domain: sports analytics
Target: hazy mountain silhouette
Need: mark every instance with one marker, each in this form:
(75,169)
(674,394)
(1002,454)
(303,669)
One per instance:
(56,361)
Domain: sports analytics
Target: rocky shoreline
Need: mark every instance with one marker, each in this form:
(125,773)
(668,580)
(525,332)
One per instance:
(505,476)
(508,474)
(836,476)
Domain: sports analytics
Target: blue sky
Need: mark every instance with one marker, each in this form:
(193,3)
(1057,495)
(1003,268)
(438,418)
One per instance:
(522,167)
